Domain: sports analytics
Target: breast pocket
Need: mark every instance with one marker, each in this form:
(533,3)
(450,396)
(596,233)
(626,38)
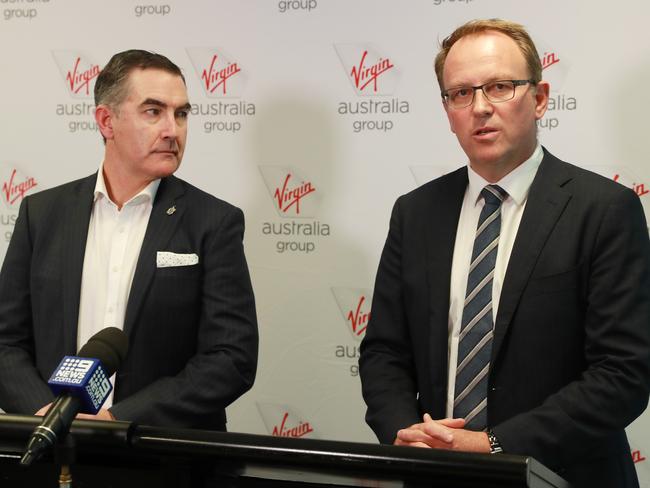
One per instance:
(562,282)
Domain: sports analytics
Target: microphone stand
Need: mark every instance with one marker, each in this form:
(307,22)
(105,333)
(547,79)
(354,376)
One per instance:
(64,456)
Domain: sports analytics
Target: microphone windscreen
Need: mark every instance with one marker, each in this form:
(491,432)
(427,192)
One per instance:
(109,345)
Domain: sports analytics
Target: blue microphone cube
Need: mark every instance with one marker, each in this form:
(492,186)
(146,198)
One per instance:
(83,378)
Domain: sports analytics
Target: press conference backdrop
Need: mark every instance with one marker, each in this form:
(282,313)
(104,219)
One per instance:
(313,116)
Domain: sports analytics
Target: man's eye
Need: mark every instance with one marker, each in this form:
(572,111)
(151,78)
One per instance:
(462,92)
(153,111)
(182,114)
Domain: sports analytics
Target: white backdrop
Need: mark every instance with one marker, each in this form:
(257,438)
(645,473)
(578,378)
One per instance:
(314,141)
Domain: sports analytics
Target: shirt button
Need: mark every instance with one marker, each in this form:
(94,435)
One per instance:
(115,269)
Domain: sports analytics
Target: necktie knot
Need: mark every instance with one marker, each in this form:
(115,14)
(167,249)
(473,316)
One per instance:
(493,195)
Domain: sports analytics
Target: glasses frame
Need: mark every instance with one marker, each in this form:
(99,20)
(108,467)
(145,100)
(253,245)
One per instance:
(516,83)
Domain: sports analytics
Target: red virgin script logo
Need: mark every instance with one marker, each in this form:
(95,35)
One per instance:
(80,80)
(214,78)
(13,191)
(549,59)
(358,318)
(288,196)
(639,189)
(637,457)
(365,75)
(302,429)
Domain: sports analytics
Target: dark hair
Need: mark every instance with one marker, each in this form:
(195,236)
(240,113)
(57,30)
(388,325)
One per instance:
(111,85)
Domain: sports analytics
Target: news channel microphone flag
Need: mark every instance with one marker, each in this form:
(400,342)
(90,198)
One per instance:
(81,384)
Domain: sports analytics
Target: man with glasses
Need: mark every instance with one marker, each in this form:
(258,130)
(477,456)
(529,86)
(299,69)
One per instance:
(511,310)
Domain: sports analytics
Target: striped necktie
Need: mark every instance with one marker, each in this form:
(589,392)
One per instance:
(477,324)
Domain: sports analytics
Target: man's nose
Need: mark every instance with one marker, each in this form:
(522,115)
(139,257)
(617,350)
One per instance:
(481,104)
(169,126)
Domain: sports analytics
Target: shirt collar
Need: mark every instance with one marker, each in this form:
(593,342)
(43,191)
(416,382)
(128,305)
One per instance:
(147,194)
(516,183)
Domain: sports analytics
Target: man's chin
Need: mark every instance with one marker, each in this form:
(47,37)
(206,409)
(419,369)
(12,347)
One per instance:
(166,167)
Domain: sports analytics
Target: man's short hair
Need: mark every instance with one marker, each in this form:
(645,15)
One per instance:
(111,85)
(515,31)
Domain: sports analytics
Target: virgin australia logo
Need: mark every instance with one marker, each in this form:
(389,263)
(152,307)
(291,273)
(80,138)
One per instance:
(369,71)
(354,305)
(221,76)
(78,72)
(293,195)
(284,421)
(13,191)
(555,65)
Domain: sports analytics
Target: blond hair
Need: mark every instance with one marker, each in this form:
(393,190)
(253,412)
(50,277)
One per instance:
(515,31)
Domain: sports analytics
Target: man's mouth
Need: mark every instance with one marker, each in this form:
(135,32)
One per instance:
(484,130)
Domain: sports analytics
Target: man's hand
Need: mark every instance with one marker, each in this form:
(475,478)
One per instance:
(103,414)
(443,434)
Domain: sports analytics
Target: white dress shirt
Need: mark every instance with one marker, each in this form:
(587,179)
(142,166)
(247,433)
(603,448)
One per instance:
(516,184)
(112,248)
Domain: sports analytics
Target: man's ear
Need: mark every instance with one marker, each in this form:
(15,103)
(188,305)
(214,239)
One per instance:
(104,118)
(451,123)
(541,98)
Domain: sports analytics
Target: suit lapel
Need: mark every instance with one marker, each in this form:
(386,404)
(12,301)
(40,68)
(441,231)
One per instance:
(546,202)
(440,226)
(75,234)
(165,216)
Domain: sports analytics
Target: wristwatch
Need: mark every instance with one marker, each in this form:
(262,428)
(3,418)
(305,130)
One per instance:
(495,445)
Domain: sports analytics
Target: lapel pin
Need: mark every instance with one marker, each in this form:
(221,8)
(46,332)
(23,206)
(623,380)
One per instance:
(171,210)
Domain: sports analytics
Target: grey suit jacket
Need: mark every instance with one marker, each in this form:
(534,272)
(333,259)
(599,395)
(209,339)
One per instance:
(570,363)
(192,329)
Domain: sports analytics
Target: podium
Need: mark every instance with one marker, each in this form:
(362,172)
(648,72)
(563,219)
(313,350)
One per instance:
(124,455)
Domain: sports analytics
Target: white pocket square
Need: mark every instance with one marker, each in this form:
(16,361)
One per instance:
(166,259)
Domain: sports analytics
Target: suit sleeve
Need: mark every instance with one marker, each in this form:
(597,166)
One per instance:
(22,389)
(225,363)
(613,389)
(386,360)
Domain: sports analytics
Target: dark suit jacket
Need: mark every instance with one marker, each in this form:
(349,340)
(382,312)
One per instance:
(570,363)
(192,329)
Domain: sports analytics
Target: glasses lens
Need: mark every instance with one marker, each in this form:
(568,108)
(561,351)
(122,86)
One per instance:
(460,97)
(499,91)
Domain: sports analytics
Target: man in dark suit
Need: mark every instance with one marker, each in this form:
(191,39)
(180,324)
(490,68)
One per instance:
(511,310)
(132,246)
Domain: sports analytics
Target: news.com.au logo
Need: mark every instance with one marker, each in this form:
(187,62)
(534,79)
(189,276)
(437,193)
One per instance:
(220,74)
(98,388)
(72,370)
(292,194)
(284,421)
(369,71)
(78,71)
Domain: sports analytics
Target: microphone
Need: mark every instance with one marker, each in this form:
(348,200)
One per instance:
(81,385)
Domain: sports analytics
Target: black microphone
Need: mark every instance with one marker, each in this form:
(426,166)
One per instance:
(82,385)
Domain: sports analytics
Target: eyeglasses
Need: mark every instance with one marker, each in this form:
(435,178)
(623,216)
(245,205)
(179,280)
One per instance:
(495,91)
